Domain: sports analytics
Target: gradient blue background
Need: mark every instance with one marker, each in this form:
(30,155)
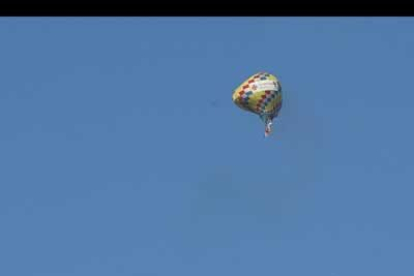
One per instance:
(121,152)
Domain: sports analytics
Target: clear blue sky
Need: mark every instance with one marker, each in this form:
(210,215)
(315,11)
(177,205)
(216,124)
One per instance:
(122,153)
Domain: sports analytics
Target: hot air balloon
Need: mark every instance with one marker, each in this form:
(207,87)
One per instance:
(260,94)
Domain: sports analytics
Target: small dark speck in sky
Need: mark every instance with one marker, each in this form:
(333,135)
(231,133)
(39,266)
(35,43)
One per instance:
(215,103)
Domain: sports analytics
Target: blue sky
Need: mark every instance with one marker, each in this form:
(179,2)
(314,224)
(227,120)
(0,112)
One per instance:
(122,153)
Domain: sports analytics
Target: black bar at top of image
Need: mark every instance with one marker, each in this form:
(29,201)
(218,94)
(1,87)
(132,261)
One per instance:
(175,8)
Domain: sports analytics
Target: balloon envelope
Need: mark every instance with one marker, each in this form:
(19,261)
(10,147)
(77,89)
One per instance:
(260,94)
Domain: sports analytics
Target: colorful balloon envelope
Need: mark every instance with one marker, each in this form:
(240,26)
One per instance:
(260,94)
